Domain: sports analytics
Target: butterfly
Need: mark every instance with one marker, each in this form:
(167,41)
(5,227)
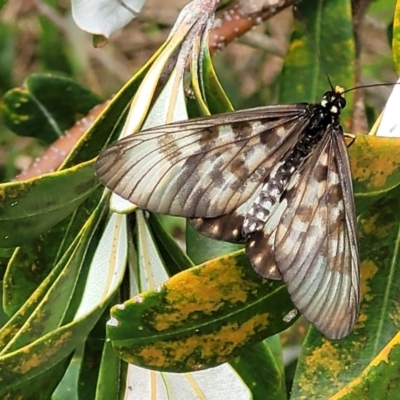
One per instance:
(276,178)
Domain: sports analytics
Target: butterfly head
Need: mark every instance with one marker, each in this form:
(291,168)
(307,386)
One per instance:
(334,100)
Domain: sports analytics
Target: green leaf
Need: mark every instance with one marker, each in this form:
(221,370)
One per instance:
(91,360)
(31,264)
(201,248)
(216,98)
(46,106)
(174,258)
(67,386)
(7,54)
(209,94)
(53,50)
(112,369)
(29,208)
(258,368)
(396,37)
(322,45)
(29,335)
(200,318)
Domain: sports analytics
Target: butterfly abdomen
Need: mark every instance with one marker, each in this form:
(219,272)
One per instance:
(279,179)
(322,115)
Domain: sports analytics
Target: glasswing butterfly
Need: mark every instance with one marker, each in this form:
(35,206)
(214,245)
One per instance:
(276,178)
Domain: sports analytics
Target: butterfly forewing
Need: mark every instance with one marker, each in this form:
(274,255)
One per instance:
(203,167)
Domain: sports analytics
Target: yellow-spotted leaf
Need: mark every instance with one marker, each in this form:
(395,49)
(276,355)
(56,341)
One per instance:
(380,378)
(375,167)
(42,330)
(19,368)
(201,317)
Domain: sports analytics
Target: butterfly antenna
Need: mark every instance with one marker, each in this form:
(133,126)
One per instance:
(327,76)
(370,86)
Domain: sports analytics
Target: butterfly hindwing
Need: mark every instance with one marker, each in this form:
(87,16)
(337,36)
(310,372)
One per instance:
(313,241)
(226,227)
(203,167)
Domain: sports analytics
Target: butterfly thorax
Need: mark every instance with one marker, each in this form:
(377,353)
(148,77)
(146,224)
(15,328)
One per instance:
(322,115)
(327,111)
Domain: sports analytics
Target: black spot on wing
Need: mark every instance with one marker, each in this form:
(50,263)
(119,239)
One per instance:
(170,149)
(242,175)
(242,129)
(237,164)
(209,137)
(321,173)
(226,227)
(188,179)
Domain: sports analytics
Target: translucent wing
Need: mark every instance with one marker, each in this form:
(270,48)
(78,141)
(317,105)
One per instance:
(204,167)
(311,240)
